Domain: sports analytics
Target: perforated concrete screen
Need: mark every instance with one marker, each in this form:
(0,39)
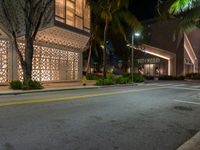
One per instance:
(50,64)
(3,61)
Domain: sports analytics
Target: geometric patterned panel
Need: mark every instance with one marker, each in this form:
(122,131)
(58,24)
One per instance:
(63,39)
(3,61)
(50,64)
(16,11)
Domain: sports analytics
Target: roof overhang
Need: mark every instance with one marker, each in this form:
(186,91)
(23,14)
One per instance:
(156,51)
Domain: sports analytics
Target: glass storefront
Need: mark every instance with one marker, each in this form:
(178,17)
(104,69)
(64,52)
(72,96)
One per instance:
(74,13)
(152,66)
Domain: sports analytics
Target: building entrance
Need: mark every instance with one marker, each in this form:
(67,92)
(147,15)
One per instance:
(151,69)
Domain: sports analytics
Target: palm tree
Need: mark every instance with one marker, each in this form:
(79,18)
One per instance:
(187,11)
(114,14)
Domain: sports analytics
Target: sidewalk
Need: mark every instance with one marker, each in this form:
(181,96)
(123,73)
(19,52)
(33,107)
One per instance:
(191,144)
(5,90)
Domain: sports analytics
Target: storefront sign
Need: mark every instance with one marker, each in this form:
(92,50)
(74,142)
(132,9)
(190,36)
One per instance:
(188,61)
(148,61)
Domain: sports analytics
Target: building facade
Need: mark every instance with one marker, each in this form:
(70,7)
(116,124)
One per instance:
(168,52)
(58,47)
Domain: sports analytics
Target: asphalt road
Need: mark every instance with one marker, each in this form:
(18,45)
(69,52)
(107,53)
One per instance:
(150,117)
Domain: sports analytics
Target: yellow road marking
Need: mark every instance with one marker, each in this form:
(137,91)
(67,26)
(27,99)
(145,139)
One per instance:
(73,97)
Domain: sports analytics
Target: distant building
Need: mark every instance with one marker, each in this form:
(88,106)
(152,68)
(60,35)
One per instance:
(165,52)
(58,47)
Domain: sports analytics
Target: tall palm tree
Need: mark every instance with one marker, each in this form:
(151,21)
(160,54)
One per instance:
(113,14)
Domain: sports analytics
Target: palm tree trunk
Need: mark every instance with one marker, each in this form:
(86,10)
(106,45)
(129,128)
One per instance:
(89,57)
(104,49)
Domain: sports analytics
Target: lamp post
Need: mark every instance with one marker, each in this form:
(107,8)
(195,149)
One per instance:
(134,34)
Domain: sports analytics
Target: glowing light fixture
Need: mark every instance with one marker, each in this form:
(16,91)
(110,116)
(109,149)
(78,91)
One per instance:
(137,34)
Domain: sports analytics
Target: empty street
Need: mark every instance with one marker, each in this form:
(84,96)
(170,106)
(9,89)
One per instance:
(159,116)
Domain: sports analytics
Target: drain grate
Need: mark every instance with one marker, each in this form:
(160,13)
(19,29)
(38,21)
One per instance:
(183,108)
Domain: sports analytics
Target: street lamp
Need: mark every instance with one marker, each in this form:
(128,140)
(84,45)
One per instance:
(134,34)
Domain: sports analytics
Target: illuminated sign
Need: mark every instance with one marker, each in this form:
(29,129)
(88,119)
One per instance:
(148,61)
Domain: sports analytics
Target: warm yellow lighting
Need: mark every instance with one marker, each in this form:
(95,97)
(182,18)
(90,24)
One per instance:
(161,56)
(190,51)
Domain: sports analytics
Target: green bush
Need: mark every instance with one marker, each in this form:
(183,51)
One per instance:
(16,85)
(138,78)
(32,85)
(127,75)
(108,82)
(110,76)
(166,77)
(193,76)
(122,80)
(100,82)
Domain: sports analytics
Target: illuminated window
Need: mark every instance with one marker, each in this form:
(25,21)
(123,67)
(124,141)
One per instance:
(74,13)
(60,10)
(87,18)
(70,12)
(79,8)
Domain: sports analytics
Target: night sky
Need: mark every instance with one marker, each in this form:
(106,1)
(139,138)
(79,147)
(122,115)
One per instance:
(143,9)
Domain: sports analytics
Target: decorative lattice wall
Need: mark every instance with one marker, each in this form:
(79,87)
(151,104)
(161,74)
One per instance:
(3,61)
(51,64)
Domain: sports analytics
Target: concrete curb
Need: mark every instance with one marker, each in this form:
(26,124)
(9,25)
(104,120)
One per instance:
(18,92)
(45,90)
(191,144)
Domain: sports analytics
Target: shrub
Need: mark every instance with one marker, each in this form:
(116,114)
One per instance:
(104,82)
(32,85)
(193,76)
(108,82)
(110,76)
(138,78)
(99,82)
(127,75)
(166,77)
(122,80)
(16,85)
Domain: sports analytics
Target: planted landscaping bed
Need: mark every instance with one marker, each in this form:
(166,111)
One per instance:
(112,79)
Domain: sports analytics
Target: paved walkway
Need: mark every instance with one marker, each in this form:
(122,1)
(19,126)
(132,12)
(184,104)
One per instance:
(5,90)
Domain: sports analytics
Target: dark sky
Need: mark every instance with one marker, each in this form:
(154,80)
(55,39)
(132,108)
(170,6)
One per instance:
(143,9)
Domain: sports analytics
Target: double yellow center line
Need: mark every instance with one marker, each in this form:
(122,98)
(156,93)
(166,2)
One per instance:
(73,97)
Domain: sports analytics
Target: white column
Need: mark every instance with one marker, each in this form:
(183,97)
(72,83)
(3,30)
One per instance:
(12,62)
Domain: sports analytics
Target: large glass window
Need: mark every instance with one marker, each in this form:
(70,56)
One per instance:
(87,18)
(70,12)
(74,13)
(60,10)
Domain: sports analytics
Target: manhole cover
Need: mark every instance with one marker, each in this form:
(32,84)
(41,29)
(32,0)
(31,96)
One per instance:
(183,108)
